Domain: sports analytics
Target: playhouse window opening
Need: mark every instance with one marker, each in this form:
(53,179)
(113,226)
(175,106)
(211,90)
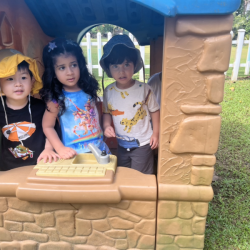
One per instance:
(92,51)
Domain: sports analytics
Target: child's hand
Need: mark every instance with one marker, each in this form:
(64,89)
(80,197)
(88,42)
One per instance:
(66,153)
(109,132)
(154,141)
(49,155)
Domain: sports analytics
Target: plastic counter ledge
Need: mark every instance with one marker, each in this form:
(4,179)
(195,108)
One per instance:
(125,184)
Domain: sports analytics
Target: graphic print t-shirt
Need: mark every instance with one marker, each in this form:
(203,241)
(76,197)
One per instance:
(130,111)
(21,141)
(80,122)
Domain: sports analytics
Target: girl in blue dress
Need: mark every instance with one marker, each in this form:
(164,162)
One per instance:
(70,93)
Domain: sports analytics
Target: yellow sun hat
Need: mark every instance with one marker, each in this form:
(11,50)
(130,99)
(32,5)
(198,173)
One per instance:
(9,60)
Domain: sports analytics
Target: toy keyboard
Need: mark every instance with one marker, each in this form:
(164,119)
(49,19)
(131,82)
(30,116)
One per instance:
(82,165)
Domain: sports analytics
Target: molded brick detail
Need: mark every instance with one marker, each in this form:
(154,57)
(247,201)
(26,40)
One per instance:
(92,212)
(65,222)
(146,227)
(195,241)
(5,235)
(167,209)
(99,239)
(24,206)
(52,233)
(13,226)
(146,241)
(216,50)
(202,176)
(124,204)
(28,245)
(74,240)
(83,227)
(185,210)
(18,216)
(50,207)
(14,245)
(133,237)
(175,226)
(164,239)
(197,134)
(106,248)
(55,246)
(143,209)
(203,25)
(1,220)
(30,227)
(45,220)
(123,214)
(201,109)
(19,236)
(167,247)
(85,247)
(120,223)
(3,205)
(121,244)
(101,225)
(206,160)
(215,88)
(116,234)
(200,208)
(199,224)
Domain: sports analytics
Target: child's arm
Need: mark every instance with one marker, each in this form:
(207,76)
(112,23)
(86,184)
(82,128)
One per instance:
(154,140)
(49,120)
(108,129)
(48,153)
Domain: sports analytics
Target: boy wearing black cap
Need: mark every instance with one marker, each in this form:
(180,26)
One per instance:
(131,104)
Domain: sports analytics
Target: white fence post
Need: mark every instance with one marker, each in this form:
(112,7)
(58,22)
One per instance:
(248,60)
(131,37)
(89,52)
(109,35)
(240,43)
(99,51)
(142,50)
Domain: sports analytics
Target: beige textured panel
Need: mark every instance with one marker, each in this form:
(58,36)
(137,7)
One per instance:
(198,134)
(200,208)
(196,241)
(202,176)
(204,25)
(185,193)
(200,160)
(201,109)
(216,54)
(215,88)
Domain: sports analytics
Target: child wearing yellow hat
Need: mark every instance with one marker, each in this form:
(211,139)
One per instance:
(23,142)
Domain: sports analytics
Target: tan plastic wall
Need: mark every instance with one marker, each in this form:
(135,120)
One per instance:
(196,55)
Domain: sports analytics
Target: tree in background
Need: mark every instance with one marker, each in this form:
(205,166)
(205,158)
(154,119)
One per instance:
(242,19)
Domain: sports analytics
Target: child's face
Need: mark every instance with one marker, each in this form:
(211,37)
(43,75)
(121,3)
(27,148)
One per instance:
(123,74)
(67,72)
(18,86)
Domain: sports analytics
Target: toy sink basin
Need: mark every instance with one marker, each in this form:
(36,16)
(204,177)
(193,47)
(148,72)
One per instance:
(82,165)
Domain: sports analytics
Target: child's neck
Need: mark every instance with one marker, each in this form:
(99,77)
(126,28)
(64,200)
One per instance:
(16,104)
(125,86)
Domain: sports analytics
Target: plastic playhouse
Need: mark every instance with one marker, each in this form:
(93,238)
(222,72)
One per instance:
(124,209)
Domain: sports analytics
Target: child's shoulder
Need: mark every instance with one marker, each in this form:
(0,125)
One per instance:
(109,86)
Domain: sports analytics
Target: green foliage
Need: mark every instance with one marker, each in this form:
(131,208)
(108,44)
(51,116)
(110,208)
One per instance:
(228,221)
(241,20)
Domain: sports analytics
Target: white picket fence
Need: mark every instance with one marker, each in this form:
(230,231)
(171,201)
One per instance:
(236,65)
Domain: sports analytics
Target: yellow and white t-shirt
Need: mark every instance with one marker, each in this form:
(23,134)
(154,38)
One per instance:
(130,111)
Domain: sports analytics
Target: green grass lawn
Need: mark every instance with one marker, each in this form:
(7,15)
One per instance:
(228,222)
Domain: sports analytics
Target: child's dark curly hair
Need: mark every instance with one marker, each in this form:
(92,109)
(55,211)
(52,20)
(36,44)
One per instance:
(52,88)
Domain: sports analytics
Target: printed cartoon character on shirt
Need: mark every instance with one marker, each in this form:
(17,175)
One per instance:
(88,121)
(19,131)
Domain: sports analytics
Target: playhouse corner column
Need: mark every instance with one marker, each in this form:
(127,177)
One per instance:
(196,54)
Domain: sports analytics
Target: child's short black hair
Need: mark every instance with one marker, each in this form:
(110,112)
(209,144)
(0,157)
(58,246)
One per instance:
(24,66)
(119,54)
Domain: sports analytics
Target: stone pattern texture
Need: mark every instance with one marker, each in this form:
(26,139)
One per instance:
(195,56)
(37,226)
